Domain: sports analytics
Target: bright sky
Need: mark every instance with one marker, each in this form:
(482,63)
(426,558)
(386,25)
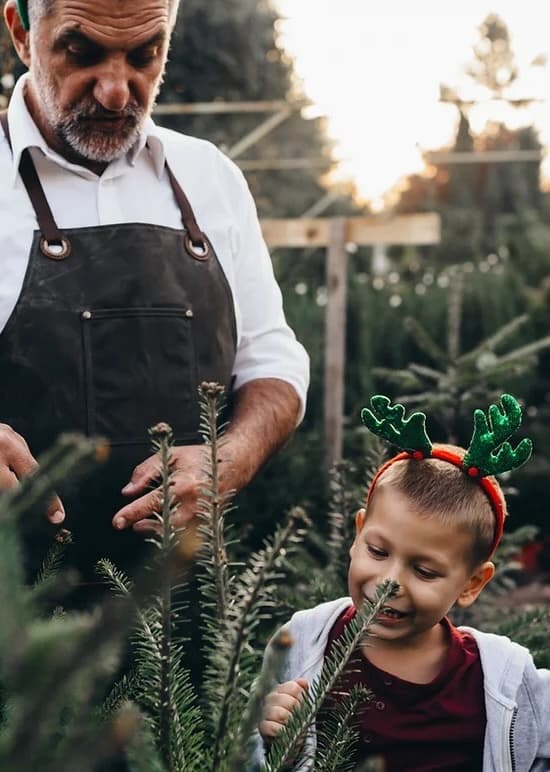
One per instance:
(374,69)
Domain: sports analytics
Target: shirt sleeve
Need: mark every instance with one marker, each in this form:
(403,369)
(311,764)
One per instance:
(267,346)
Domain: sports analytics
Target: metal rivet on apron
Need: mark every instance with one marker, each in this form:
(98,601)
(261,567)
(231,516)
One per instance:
(54,251)
(86,314)
(189,314)
(197,251)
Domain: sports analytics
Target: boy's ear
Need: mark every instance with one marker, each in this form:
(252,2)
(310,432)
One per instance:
(477,581)
(360,520)
(19,35)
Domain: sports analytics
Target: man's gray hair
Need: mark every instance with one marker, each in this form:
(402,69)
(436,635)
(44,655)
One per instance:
(40,8)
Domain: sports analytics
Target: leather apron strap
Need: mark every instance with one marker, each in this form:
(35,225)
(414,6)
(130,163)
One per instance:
(53,243)
(56,246)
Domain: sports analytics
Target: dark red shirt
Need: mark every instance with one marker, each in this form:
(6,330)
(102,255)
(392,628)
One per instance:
(420,727)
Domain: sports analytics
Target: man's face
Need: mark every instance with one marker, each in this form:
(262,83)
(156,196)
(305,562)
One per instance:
(95,70)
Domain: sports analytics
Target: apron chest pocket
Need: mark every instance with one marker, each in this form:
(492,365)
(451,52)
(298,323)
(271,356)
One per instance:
(139,369)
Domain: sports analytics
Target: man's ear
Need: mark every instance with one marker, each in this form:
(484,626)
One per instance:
(477,581)
(19,35)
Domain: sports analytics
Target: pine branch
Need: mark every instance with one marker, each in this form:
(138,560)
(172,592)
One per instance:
(71,456)
(525,351)
(339,735)
(213,504)
(376,453)
(91,743)
(142,754)
(454,315)
(287,742)
(531,629)
(426,372)
(493,341)
(273,660)
(162,438)
(338,516)
(404,379)
(53,561)
(52,666)
(249,597)
(425,342)
(166,691)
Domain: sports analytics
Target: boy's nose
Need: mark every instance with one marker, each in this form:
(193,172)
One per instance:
(395,573)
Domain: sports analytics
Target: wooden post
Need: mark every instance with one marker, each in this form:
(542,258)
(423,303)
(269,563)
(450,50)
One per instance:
(373,230)
(335,340)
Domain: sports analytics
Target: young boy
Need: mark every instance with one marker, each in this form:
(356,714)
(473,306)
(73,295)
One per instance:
(445,698)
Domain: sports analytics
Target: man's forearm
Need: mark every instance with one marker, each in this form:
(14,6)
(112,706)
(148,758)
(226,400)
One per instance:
(264,417)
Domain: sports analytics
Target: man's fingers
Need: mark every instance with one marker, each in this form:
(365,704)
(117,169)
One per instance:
(16,463)
(147,527)
(142,476)
(140,509)
(55,512)
(8,480)
(15,453)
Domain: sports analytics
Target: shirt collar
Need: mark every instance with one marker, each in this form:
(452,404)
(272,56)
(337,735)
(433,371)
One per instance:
(24,133)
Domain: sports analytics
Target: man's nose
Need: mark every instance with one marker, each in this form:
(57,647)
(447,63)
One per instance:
(112,86)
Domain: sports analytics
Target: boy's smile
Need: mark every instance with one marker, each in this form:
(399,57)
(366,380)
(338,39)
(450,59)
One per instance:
(428,558)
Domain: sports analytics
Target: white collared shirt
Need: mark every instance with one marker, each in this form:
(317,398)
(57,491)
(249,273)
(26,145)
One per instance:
(135,188)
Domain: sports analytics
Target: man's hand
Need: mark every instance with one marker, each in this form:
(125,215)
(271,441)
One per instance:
(264,417)
(188,477)
(278,707)
(17,462)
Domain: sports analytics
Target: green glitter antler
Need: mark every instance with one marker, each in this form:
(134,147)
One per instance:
(388,421)
(489,453)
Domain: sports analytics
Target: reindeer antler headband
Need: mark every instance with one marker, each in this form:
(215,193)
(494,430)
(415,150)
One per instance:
(489,453)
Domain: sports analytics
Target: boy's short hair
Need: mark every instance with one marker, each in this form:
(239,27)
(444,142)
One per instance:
(440,488)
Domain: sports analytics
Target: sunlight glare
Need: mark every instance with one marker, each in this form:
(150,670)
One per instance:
(375,69)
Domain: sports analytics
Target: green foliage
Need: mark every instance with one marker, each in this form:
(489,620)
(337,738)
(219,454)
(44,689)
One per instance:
(338,735)
(449,387)
(50,668)
(530,629)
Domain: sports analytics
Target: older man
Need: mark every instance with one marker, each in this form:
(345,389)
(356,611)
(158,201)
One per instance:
(121,292)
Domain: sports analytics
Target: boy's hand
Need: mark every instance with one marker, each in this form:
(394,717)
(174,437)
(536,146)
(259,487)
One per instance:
(278,706)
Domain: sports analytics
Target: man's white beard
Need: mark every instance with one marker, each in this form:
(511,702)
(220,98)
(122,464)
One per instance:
(73,129)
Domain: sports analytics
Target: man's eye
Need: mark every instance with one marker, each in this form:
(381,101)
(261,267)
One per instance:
(81,53)
(144,57)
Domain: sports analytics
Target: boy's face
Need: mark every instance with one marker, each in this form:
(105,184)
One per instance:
(428,559)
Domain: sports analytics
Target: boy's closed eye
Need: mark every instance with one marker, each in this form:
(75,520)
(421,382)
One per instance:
(426,573)
(377,552)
